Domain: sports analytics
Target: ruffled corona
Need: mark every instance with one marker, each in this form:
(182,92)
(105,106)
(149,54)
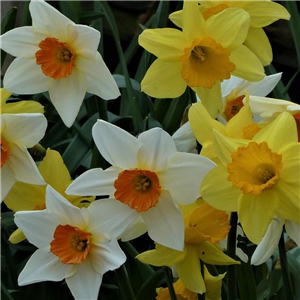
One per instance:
(140,189)
(205,62)
(70,244)
(254,168)
(234,106)
(56,58)
(213,10)
(5,153)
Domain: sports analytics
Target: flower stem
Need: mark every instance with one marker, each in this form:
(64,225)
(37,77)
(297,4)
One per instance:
(169,279)
(231,249)
(124,283)
(285,269)
(102,108)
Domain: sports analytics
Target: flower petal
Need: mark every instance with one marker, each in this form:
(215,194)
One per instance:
(94,182)
(67,95)
(43,265)
(33,83)
(109,139)
(258,42)
(8,179)
(27,106)
(293,229)
(184,176)
(165,223)
(163,80)
(86,282)
(269,243)
(22,41)
(134,230)
(99,79)
(43,220)
(184,139)
(248,66)
(157,147)
(107,257)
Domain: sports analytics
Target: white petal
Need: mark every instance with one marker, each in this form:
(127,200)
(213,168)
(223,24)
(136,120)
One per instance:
(269,242)
(99,79)
(8,179)
(230,84)
(22,41)
(165,223)
(67,95)
(46,16)
(85,283)
(184,176)
(25,129)
(66,212)
(134,230)
(94,182)
(157,147)
(110,216)
(107,257)
(293,230)
(116,145)
(43,265)
(38,226)
(24,76)
(184,139)
(24,166)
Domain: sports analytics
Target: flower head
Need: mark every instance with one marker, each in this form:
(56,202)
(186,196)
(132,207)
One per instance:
(19,132)
(58,56)
(78,245)
(148,177)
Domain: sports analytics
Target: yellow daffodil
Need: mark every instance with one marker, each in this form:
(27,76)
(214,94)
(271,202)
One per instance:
(204,227)
(259,178)
(24,196)
(78,245)
(200,56)
(59,56)
(262,13)
(19,132)
(20,106)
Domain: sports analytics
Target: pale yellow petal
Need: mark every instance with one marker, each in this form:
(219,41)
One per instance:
(258,42)
(23,107)
(213,285)
(176,18)
(17,236)
(163,80)
(4,96)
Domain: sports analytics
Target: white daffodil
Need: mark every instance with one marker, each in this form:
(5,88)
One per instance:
(19,132)
(269,243)
(78,245)
(184,139)
(148,176)
(58,56)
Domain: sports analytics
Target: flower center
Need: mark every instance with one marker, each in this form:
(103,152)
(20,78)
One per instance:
(211,11)
(234,106)
(70,244)
(139,189)
(297,119)
(254,168)
(205,62)
(56,58)
(5,153)
(40,206)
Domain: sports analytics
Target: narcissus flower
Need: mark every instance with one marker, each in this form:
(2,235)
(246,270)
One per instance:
(78,245)
(262,13)
(24,196)
(200,56)
(148,176)
(204,227)
(19,132)
(19,107)
(259,178)
(58,56)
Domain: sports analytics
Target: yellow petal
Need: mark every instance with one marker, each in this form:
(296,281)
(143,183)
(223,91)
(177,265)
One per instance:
(24,107)
(213,285)
(176,18)
(17,236)
(4,96)
(163,80)
(258,42)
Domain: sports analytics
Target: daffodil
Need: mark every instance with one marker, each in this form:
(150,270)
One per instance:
(58,56)
(78,245)
(19,132)
(24,196)
(262,13)
(200,56)
(269,243)
(258,178)
(204,227)
(20,106)
(184,139)
(148,176)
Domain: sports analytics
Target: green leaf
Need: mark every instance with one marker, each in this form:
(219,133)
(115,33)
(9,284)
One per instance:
(88,16)
(246,281)
(70,9)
